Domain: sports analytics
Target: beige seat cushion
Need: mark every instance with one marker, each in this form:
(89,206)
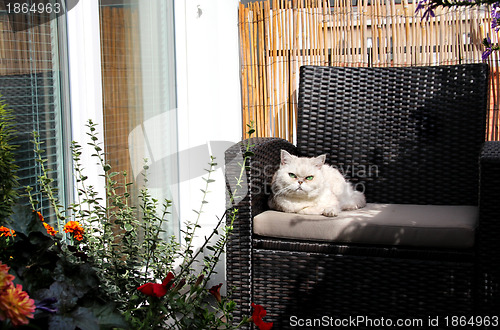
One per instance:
(387,224)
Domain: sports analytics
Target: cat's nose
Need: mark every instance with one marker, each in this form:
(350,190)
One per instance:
(301,182)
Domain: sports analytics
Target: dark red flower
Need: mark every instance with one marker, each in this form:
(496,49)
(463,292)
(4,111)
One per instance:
(215,291)
(199,280)
(179,285)
(258,314)
(155,289)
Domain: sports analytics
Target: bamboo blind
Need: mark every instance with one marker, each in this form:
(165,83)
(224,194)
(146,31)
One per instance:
(278,36)
(121,74)
(27,50)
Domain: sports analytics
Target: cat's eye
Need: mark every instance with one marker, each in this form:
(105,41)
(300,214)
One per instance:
(293,176)
(309,178)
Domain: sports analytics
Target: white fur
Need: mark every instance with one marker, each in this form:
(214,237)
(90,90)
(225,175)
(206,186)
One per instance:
(327,192)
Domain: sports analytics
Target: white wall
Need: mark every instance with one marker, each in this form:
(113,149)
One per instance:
(209,106)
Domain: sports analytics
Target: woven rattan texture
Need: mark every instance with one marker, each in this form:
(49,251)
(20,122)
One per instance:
(267,243)
(405,134)
(309,285)
(488,233)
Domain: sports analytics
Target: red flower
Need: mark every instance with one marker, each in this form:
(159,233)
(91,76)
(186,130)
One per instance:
(215,291)
(168,279)
(258,314)
(155,289)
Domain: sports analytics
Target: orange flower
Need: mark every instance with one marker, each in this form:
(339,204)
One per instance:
(50,229)
(5,277)
(40,216)
(74,228)
(4,231)
(16,305)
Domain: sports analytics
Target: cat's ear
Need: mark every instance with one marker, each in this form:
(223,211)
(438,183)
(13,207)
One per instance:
(286,157)
(319,161)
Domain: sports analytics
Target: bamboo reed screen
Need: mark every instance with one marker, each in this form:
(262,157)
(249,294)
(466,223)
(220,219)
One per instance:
(25,51)
(277,37)
(120,78)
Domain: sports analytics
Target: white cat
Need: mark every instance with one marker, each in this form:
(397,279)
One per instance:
(308,186)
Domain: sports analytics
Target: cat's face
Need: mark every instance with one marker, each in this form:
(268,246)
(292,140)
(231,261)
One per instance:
(298,176)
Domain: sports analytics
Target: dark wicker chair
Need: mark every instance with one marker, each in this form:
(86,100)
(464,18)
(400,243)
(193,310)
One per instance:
(423,129)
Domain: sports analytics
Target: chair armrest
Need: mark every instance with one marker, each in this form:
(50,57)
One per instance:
(489,186)
(488,232)
(491,152)
(256,179)
(250,200)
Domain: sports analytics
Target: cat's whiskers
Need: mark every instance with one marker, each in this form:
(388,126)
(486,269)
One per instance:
(283,191)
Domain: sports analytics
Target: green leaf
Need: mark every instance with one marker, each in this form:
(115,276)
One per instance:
(85,319)
(61,322)
(108,316)
(25,220)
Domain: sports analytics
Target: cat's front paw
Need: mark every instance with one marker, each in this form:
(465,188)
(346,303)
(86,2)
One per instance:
(351,207)
(331,211)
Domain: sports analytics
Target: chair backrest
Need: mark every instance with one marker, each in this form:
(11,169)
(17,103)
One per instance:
(408,135)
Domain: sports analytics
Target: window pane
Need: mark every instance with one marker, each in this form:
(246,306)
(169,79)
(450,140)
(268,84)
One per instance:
(137,51)
(30,85)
